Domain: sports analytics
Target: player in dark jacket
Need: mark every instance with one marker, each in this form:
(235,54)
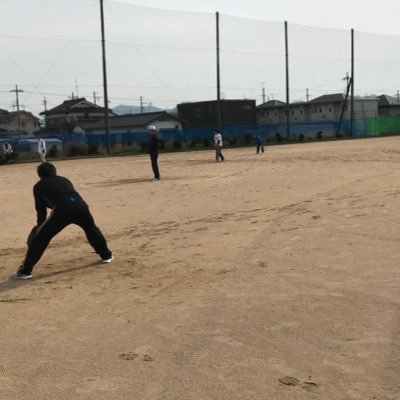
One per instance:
(68,207)
(153,150)
(260,144)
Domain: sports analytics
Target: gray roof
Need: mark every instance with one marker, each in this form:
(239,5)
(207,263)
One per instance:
(74,105)
(272,103)
(329,98)
(386,100)
(8,116)
(131,120)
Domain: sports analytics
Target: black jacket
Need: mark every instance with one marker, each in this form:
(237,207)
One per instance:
(52,191)
(154,144)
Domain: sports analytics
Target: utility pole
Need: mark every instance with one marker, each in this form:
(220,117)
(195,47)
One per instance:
(95,98)
(352,85)
(16,90)
(263,95)
(44,102)
(307,95)
(287,81)
(398,95)
(76,87)
(346,78)
(219,105)
(141,104)
(103,47)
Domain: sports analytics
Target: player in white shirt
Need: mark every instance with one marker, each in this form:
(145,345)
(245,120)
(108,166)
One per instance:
(42,149)
(218,145)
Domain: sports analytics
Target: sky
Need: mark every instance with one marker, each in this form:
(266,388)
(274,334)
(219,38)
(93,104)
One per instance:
(364,15)
(162,53)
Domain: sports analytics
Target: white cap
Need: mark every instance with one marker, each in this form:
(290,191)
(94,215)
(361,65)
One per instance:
(152,128)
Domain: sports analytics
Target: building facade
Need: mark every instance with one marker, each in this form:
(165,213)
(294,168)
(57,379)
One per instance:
(21,121)
(205,113)
(327,108)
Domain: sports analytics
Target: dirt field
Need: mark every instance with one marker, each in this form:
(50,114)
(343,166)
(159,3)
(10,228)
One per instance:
(230,280)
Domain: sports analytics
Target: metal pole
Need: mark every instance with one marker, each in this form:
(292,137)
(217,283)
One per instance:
(287,81)
(16,90)
(352,85)
(219,105)
(103,46)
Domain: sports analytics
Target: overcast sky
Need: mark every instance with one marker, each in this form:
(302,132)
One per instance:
(375,16)
(163,52)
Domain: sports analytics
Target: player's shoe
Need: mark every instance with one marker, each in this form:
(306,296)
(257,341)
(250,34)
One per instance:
(107,260)
(21,276)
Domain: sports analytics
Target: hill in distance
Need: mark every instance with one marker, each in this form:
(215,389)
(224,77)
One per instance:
(124,109)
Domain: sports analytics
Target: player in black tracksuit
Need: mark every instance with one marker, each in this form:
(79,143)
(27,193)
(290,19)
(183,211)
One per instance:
(68,207)
(153,150)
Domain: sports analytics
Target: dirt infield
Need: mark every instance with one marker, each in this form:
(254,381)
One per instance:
(271,276)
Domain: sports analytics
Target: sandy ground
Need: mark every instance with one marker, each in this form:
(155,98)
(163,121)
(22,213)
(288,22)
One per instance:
(230,280)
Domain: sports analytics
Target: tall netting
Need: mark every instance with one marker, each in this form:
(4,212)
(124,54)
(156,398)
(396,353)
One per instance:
(52,49)
(377,64)
(46,47)
(160,56)
(252,58)
(319,60)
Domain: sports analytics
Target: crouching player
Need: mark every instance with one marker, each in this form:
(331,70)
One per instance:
(68,207)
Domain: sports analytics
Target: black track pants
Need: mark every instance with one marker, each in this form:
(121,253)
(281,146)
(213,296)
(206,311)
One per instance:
(62,216)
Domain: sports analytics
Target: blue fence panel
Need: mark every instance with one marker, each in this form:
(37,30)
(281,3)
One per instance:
(268,132)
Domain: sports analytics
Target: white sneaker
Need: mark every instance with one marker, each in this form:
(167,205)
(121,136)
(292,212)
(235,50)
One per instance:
(107,260)
(19,275)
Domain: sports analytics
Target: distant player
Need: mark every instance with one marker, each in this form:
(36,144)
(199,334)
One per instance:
(56,192)
(8,153)
(42,149)
(259,144)
(153,151)
(218,146)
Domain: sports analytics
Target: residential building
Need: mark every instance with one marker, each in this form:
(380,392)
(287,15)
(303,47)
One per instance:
(72,113)
(205,113)
(326,108)
(22,121)
(329,107)
(272,112)
(131,123)
(388,106)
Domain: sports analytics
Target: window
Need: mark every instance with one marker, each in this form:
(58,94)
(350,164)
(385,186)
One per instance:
(197,113)
(246,107)
(330,109)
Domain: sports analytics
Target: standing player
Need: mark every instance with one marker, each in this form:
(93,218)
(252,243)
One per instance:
(58,193)
(260,144)
(42,149)
(153,150)
(218,146)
